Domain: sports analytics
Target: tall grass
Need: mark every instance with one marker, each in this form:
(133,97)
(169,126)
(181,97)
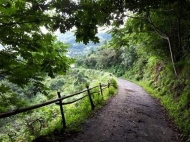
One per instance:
(77,113)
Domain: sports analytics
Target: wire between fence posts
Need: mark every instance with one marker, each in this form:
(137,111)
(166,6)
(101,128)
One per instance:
(90,98)
(62,112)
(101,92)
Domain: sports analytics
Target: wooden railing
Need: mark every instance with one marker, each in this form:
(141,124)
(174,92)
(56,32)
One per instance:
(59,102)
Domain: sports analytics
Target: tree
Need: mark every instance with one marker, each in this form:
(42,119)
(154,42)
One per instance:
(28,54)
(26,49)
(172,25)
(168,19)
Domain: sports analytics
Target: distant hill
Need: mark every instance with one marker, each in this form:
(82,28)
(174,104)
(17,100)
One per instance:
(77,49)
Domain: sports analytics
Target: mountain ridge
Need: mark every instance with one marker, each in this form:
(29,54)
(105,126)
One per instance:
(77,49)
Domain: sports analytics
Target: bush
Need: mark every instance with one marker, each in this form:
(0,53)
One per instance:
(111,91)
(114,83)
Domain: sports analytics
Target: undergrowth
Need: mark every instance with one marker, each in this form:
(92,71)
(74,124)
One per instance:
(46,122)
(179,114)
(77,113)
(158,79)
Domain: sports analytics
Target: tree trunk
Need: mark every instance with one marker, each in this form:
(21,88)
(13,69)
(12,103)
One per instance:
(163,35)
(172,58)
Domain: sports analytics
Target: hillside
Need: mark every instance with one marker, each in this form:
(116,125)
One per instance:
(144,57)
(149,45)
(47,120)
(77,49)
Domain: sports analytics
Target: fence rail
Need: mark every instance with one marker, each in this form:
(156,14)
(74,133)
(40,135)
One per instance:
(59,102)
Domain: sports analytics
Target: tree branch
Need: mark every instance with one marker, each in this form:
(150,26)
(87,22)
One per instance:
(158,31)
(25,22)
(164,35)
(139,18)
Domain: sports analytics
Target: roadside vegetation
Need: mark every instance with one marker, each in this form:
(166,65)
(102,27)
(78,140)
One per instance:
(151,47)
(47,120)
(139,54)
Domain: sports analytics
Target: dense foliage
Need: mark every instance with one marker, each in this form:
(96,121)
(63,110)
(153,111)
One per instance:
(107,58)
(47,120)
(165,76)
(153,45)
(27,50)
(27,53)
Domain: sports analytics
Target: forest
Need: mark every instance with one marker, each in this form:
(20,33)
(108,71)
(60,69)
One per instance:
(149,45)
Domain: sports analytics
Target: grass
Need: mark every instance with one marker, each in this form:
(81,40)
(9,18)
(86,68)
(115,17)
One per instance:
(176,109)
(77,114)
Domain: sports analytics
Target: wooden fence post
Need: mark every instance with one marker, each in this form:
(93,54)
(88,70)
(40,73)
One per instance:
(61,109)
(101,92)
(108,84)
(90,98)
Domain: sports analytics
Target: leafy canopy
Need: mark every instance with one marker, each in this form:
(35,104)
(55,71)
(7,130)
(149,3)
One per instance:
(28,54)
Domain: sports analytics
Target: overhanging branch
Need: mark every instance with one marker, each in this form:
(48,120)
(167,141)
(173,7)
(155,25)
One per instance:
(160,32)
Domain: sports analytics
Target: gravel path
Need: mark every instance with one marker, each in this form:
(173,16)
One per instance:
(131,116)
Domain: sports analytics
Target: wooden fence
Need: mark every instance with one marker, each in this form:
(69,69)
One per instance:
(59,102)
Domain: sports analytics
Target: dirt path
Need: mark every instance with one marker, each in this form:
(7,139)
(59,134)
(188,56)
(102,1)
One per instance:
(131,116)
